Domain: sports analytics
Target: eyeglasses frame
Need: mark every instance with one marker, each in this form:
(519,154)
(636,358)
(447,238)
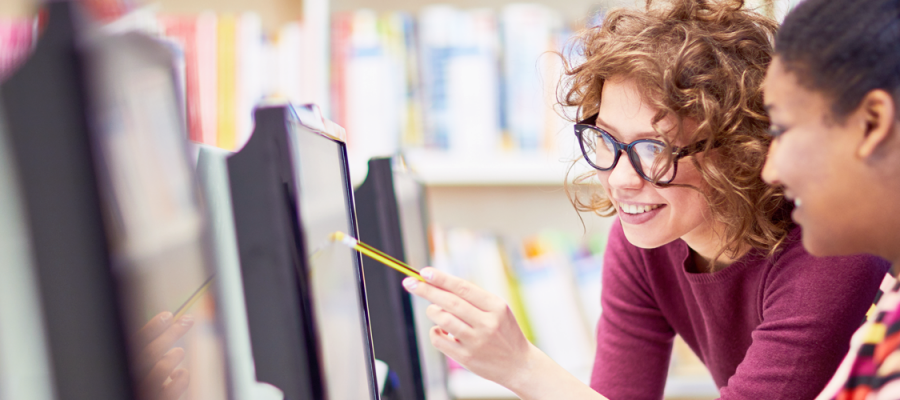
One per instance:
(677,152)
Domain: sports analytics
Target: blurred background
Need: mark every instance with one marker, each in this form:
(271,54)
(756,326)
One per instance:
(466,90)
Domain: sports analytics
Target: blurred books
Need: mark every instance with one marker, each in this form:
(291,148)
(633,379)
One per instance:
(470,82)
(552,282)
(16,40)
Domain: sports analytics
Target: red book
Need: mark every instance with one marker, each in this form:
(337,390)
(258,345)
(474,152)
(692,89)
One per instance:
(184,31)
(341,29)
(16,36)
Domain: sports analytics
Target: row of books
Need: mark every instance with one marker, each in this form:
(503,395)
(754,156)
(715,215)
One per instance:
(550,280)
(472,82)
(230,64)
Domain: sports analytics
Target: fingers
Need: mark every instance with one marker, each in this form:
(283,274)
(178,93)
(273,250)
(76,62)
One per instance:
(152,385)
(478,297)
(175,388)
(447,301)
(449,322)
(163,342)
(445,343)
(155,327)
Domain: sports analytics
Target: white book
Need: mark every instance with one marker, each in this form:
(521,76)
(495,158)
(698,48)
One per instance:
(207,62)
(527,33)
(374,95)
(473,85)
(250,85)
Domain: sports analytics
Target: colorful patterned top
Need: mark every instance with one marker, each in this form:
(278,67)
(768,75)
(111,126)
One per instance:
(871,369)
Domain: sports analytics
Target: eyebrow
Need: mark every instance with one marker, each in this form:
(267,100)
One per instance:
(599,122)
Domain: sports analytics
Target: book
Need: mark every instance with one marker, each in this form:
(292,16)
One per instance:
(16,41)
(227,56)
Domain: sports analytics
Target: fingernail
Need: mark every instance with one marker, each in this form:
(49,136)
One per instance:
(186,320)
(410,283)
(428,273)
(177,374)
(166,317)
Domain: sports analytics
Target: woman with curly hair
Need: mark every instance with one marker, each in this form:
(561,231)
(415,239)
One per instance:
(833,93)
(672,121)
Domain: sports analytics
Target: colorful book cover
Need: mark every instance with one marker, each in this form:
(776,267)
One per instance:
(227,63)
(16,41)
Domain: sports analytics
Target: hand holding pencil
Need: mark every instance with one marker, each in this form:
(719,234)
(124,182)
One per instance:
(376,254)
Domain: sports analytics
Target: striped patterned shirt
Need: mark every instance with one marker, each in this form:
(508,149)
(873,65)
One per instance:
(871,369)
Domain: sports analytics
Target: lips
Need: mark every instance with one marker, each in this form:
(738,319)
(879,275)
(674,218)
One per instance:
(636,214)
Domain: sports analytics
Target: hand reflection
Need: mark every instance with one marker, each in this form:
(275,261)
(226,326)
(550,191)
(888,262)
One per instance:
(157,359)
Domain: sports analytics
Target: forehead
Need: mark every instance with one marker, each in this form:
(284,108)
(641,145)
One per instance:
(624,110)
(784,95)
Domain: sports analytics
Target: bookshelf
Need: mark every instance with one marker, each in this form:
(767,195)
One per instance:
(274,13)
(16,8)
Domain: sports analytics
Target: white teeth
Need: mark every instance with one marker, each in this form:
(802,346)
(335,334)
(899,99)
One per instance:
(638,209)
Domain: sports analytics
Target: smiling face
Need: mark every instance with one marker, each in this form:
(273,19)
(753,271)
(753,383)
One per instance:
(818,162)
(651,216)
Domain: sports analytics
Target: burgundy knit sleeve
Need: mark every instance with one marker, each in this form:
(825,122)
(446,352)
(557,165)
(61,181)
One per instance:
(634,341)
(810,308)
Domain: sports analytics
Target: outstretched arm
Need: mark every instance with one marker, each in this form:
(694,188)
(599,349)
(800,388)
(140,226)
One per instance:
(478,330)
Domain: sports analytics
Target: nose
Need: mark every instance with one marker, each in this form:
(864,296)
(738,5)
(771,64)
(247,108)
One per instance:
(623,175)
(769,171)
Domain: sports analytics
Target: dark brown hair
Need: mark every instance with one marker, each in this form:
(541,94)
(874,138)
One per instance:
(704,61)
(842,49)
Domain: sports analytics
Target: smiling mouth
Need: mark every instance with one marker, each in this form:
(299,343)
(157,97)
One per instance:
(635,209)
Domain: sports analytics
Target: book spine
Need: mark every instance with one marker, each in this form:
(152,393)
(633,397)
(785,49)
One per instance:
(207,73)
(226,57)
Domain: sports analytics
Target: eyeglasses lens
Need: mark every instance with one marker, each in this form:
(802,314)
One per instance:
(601,150)
(654,161)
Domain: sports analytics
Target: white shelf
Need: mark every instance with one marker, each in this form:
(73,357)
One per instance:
(466,385)
(438,168)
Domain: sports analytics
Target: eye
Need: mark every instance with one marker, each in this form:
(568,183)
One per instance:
(775,131)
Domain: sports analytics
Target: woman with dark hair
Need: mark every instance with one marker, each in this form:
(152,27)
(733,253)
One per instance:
(672,121)
(832,93)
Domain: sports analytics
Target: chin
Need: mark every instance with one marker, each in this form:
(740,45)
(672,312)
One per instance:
(821,247)
(644,238)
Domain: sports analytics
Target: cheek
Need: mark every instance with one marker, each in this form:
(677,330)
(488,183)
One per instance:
(688,205)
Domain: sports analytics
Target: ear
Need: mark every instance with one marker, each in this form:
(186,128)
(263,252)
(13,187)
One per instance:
(879,115)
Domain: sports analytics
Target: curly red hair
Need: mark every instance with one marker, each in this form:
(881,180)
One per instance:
(705,61)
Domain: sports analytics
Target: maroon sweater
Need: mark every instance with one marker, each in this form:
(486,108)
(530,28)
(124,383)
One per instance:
(766,328)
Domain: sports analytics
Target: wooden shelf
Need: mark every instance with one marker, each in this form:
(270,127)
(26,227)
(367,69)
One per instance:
(274,13)
(17,8)
(438,168)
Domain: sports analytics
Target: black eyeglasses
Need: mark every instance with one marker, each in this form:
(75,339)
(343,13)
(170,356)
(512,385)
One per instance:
(648,157)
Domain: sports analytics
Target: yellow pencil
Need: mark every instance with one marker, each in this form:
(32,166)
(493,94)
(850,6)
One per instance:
(193,299)
(376,254)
